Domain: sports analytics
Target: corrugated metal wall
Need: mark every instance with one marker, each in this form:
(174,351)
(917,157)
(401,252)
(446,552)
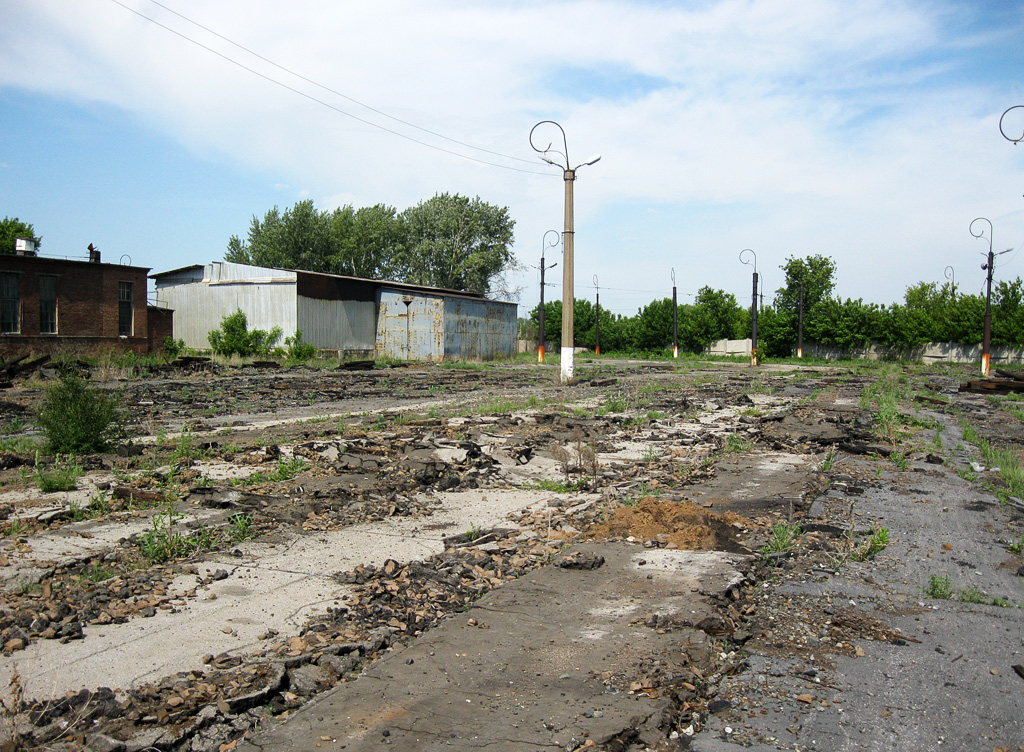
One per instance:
(410,327)
(346,325)
(479,329)
(268,300)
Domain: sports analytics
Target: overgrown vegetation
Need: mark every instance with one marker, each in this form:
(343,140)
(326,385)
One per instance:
(234,337)
(77,418)
(63,475)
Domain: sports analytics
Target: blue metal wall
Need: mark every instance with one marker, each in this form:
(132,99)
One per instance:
(479,329)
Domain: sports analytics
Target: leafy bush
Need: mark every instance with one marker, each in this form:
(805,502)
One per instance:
(234,338)
(173,347)
(299,350)
(78,418)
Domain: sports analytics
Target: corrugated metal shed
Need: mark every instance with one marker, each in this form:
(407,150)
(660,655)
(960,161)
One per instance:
(361,317)
(479,330)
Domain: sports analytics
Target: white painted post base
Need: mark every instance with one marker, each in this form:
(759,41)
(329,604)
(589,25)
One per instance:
(567,364)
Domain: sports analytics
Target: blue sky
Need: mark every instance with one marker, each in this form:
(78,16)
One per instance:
(862,130)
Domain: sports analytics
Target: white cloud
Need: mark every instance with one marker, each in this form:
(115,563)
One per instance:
(812,126)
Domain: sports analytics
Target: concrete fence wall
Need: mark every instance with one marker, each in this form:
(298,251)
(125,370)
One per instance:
(933,352)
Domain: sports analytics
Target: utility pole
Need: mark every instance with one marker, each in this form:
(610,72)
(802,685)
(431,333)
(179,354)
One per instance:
(675,318)
(800,325)
(568,299)
(989,266)
(544,246)
(597,319)
(753,308)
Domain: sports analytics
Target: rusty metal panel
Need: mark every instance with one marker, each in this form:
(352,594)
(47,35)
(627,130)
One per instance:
(479,329)
(338,324)
(410,326)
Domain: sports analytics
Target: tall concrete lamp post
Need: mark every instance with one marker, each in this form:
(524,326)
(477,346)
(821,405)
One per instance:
(544,245)
(753,308)
(568,294)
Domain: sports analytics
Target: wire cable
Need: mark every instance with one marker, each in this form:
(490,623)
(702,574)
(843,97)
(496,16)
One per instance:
(336,92)
(322,102)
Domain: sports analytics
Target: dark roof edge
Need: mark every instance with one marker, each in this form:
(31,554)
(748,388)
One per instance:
(379,282)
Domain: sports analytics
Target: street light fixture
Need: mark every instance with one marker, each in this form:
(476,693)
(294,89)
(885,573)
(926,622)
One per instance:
(950,274)
(568,299)
(1017,139)
(753,307)
(544,245)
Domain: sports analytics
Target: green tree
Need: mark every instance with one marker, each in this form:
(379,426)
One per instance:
(653,325)
(715,315)
(12,228)
(1008,313)
(458,243)
(447,241)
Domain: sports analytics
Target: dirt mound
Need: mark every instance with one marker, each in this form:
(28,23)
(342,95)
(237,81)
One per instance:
(673,524)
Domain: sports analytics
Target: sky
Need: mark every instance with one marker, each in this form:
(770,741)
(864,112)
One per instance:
(864,130)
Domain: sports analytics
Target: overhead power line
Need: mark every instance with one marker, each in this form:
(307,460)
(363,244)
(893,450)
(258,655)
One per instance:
(321,102)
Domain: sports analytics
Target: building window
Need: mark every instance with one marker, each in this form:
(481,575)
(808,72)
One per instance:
(10,304)
(47,305)
(125,309)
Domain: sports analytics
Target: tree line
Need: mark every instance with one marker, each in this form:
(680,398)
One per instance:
(446,241)
(929,313)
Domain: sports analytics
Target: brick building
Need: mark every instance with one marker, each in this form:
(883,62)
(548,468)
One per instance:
(49,303)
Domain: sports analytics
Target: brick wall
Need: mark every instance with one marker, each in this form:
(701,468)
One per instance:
(87,305)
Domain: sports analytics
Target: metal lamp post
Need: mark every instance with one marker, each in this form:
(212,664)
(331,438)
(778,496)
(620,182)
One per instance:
(753,308)
(950,274)
(675,318)
(568,299)
(987,337)
(800,325)
(543,247)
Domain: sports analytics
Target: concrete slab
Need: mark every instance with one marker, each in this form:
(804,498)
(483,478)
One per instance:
(271,586)
(523,668)
(758,482)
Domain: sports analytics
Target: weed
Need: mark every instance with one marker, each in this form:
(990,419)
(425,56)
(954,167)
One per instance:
(186,448)
(900,461)
(474,532)
(77,418)
(651,454)
(783,538)
(63,476)
(15,528)
(968,475)
(286,469)
(242,527)
(736,443)
(1014,547)
(613,406)
(939,587)
(1001,602)
(97,573)
(972,595)
(829,462)
(875,543)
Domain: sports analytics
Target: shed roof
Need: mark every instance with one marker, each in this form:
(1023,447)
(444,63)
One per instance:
(402,286)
